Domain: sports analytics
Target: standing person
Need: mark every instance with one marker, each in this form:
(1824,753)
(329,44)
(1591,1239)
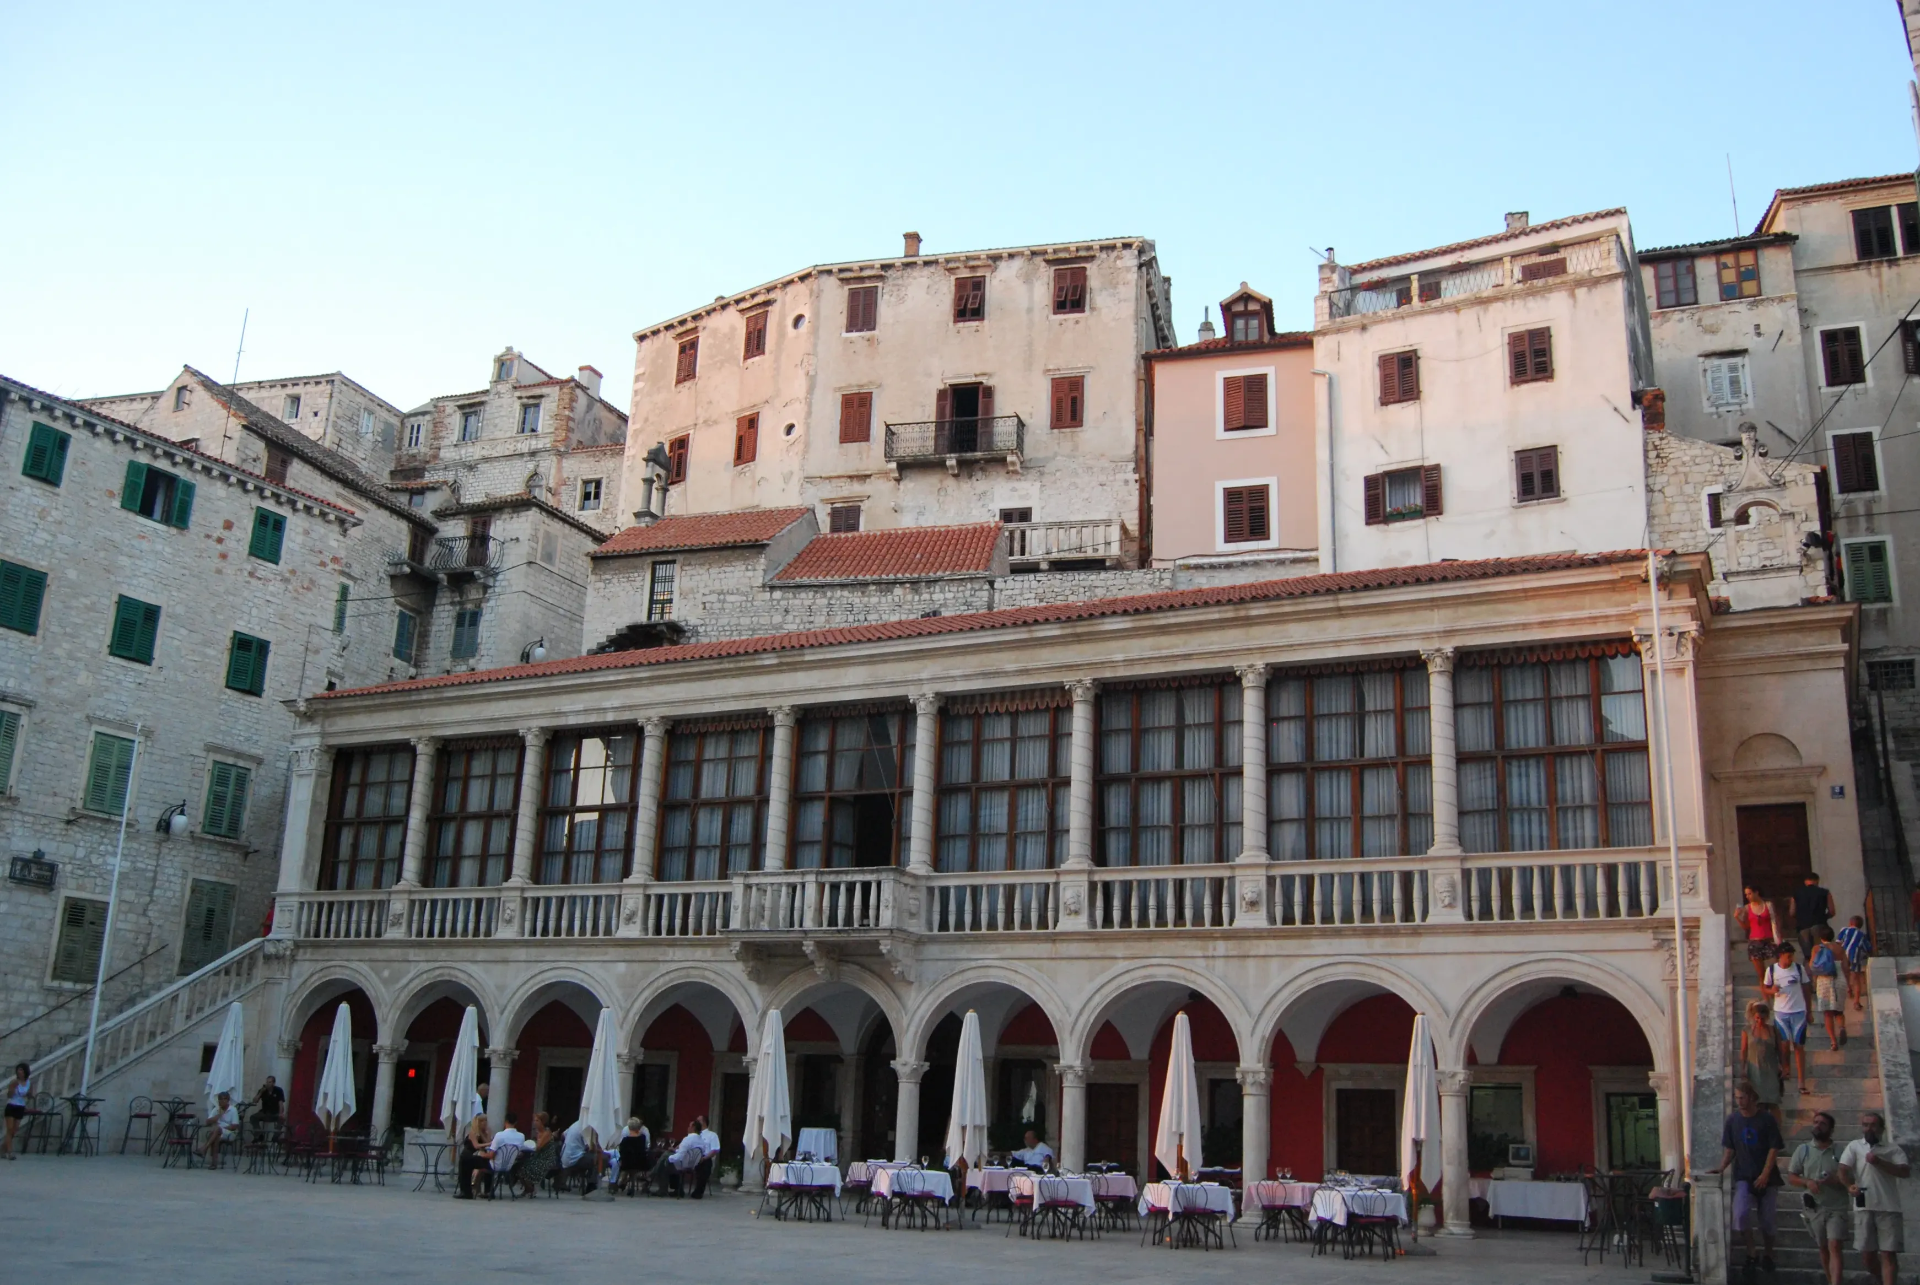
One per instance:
(1815,1169)
(268,1102)
(1869,1166)
(1750,1141)
(19,1089)
(1854,944)
(1756,916)
(1830,986)
(1786,984)
(1812,910)
(1760,1057)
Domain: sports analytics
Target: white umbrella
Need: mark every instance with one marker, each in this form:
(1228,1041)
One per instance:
(335,1102)
(1176,1143)
(1420,1112)
(460,1101)
(967,1126)
(600,1100)
(229,1059)
(769,1105)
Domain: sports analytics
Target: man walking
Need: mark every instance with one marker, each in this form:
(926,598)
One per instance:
(1815,1169)
(1812,909)
(1750,1141)
(1869,1166)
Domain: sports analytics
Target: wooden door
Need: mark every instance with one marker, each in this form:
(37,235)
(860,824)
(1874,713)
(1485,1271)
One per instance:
(562,1100)
(1365,1131)
(733,1114)
(1113,1125)
(1774,849)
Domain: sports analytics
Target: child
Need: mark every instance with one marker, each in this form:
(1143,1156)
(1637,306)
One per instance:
(1829,968)
(1787,984)
(1856,947)
(1760,1056)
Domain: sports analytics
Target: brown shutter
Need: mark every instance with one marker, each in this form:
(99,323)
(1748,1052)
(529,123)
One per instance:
(746,439)
(1389,378)
(1233,393)
(677,459)
(1526,484)
(1430,491)
(1517,356)
(1409,376)
(1375,491)
(1254,402)
(1846,465)
(1546,468)
(856,417)
(1713,510)
(943,405)
(986,404)
(1259,524)
(1068,393)
(1540,344)
(1235,513)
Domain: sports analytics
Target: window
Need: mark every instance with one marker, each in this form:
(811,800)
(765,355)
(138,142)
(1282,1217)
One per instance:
(1869,570)
(9,742)
(863,309)
(466,633)
(1842,358)
(1873,233)
(470,425)
(851,789)
(209,925)
(22,590)
(136,626)
(1882,676)
(416,434)
(660,581)
(1349,765)
(182,398)
(1169,774)
(366,818)
(677,458)
(109,771)
(269,535)
(1908,215)
(1541,269)
(83,934)
(856,417)
(278,462)
(1739,272)
(1536,474)
(1004,769)
(1856,463)
(529,418)
(589,494)
(247,663)
(159,495)
(1248,325)
(1726,382)
(1243,403)
(842,518)
(290,409)
(713,817)
(471,821)
(366,423)
(225,812)
(1910,346)
(1069,290)
(1553,755)
(586,817)
(504,370)
(746,439)
(1246,514)
(416,499)
(1069,402)
(1530,355)
(406,627)
(46,459)
(1429,291)
(1402,494)
(755,343)
(340,609)
(1399,377)
(1674,285)
(969,298)
(1016,517)
(1714,518)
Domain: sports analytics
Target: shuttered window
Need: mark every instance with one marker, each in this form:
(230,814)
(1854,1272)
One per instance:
(83,933)
(466,633)
(1714,518)
(856,417)
(209,926)
(1910,346)
(863,309)
(746,439)
(226,808)
(842,518)
(1243,402)
(677,459)
(1402,494)
(46,459)
(1541,269)
(278,462)
(157,494)
(247,663)
(109,768)
(1069,290)
(9,742)
(340,611)
(269,533)
(1536,473)
(1873,233)
(1246,514)
(406,627)
(1674,284)
(22,590)
(1530,355)
(1728,387)
(1399,377)
(755,343)
(969,298)
(1069,401)
(1869,571)
(1842,357)
(136,626)
(1856,465)
(687,363)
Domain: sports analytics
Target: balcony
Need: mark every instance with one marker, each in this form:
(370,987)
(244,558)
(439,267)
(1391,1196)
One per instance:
(1446,285)
(447,557)
(949,441)
(1037,546)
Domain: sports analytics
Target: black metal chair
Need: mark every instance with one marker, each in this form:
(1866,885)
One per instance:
(139,1111)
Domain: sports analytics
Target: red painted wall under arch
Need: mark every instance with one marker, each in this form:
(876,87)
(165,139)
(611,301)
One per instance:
(554,1026)
(314,1037)
(1561,1038)
(679,1031)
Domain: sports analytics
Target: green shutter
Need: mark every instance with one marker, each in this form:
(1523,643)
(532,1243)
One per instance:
(22,589)
(46,454)
(136,627)
(182,503)
(269,532)
(1868,576)
(108,771)
(83,932)
(247,663)
(134,487)
(209,926)
(340,611)
(226,799)
(9,738)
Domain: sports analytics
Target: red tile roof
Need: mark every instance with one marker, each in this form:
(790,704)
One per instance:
(1551,225)
(1815,189)
(702,531)
(906,553)
(1222,344)
(1011,617)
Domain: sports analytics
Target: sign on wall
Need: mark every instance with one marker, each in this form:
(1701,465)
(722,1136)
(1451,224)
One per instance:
(35,871)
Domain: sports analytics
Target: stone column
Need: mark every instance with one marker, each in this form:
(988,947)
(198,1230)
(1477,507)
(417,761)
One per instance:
(413,860)
(926,780)
(1454,1180)
(906,1115)
(753,1167)
(1661,1082)
(305,766)
(626,1062)
(499,1077)
(780,787)
(1073,1115)
(1250,892)
(646,814)
(1080,789)
(526,821)
(853,1075)
(1446,893)
(284,1053)
(1256,1122)
(389,1055)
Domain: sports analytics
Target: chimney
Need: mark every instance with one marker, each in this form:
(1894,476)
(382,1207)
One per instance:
(913,245)
(1516,220)
(1206,324)
(589,377)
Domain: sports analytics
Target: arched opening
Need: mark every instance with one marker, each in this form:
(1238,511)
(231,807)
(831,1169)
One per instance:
(1127,1075)
(1019,1049)
(692,1043)
(316,1033)
(552,1047)
(1339,1063)
(420,1077)
(840,1053)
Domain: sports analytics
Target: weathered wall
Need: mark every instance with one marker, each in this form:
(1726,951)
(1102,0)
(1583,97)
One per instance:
(1762,562)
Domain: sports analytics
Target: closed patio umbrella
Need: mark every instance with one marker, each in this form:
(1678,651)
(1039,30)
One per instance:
(1176,1141)
(769,1104)
(335,1102)
(1420,1116)
(458,1102)
(600,1100)
(229,1058)
(967,1125)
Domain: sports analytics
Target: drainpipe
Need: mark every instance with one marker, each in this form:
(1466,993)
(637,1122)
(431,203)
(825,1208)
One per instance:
(1333,523)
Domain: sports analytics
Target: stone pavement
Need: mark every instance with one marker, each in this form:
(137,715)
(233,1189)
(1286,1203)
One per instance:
(124,1221)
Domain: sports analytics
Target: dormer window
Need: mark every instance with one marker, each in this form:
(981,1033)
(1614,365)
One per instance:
(1247,316)
(1247,325)
(505,369)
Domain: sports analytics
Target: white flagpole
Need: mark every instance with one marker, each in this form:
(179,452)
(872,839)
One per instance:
(113,897)
(1683,1072)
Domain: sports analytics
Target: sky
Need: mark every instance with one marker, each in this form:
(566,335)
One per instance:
(400,190)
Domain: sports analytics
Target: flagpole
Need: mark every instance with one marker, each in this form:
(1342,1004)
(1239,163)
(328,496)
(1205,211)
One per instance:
(1683,1072)
(106,932)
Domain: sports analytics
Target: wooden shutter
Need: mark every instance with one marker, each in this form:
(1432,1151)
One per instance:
(746,439)
(1910,346)
(1430,491)
(340,610)
(1540,269)
(1233,396)
(755,344)
(856,417)
(1254,401)
(842,518)
(209,926)
(226,799)
(943,405)
(1526,484)
(1069,289)
(1530,355)
(686,362)
(1546,466)
(83,933)
(182,511)
(1855,468)
(46,454)
(1867,573)
(134,487)
(278,462)
(247,663)
(863,308)
(1713,510)
(1840,354)
(677,459)
(1234,513)
(269,533)
(969,298)
(108,771)
(136,627)
(1374,491)
(1399,377)
(1259,513)
(1068,395)
(9,741)
(22,590)
(986,407)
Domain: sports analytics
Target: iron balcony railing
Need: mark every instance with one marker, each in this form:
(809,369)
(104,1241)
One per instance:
(938,440)
(451,555)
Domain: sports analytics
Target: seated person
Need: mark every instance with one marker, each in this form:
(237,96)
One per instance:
(474,1157)
(534,1168)
(1036,1154)
(634,1147)
(580,1156)
(505,1150)
(710,1152)
(675,1164)
(268,1102)
(223,1122)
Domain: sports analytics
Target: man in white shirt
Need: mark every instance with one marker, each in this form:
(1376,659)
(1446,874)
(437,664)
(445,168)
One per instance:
(496,1157)
(683,1159)
(1869,1166)
(580,1153)
(1036,1153)
(222,1123)
(1786,984)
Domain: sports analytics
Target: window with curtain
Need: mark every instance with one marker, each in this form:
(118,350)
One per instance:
(1349,764)
(366,818)
(586,815)
(1004,777)
(1553,753)
(713,817)
(471,822)
(1169,774)
(852,788)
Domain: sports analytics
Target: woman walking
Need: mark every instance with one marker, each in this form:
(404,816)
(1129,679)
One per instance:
(17,1093)
(1756,915)
(1760,1056)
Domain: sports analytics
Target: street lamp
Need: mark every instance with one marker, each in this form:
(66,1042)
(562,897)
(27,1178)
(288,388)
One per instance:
(173,822)
(534,652)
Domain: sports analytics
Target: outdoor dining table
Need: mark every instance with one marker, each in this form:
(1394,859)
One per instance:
(899,1187)
(78,1138)
(1551,1201)
(803,1189)
(180,1132)
(1279,1201)
(1185,1213)
(430,1154)
(1334,1205)
(821,1144)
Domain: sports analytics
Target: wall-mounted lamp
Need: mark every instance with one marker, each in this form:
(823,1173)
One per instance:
(173,822)
(534,652)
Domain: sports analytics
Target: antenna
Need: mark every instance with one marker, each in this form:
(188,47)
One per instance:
(244,314)
(1733,195)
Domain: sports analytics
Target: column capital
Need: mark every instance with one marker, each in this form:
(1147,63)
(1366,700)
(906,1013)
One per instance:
(535,737)
(1252,675)
(1254,1079)
(426,744)
(926,704)
(288,1048)
(656,726)
(1439,659)
(1073,1075)
(309,758)
(1453,1083)
(627,1061)
(1661,1082)
(388,1052)
(499,1055)
(909,1072)
(784,715)
(1084,689)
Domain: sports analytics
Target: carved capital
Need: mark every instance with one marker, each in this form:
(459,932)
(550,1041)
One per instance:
(425,745)
(388,1052)
(309,758)
(502,1056)
(784,715)
(1083,689)
(1073,1075)
(656,728)
(535,737)
(926,704)
(288,1048)
(1254,1079)
(909,1072)
(1453,1084)
(1251,675)
(1439,659)
(1661,1082)
(626,1062)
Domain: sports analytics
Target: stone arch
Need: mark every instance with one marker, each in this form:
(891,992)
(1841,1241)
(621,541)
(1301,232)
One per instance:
(1764,750)
(928,1012)
(791,994)
(1076,1042)
(444,981)
(1500,1000)
(1295,1009)
(328,983)
(542,988)
(653,999)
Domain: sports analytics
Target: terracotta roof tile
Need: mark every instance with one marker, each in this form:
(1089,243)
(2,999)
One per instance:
(1056,613)
(1222,344)
(1550,226)
(702,531)
(1815,189)
(905,553)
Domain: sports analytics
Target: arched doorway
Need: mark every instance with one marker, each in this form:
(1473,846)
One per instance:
(316,1033)
(691,1045)
(552,1040)
(1127,1058)
(430,1024)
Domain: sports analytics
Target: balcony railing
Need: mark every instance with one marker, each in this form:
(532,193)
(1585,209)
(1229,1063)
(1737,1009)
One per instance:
(1043,543)
(451,555)
(1444,285)
(937,441)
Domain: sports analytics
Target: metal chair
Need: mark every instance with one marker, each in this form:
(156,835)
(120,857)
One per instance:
(139,1111)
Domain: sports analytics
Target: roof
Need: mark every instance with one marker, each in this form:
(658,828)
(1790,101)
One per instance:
(1552,225)
(1820,189)
(1713,247)
(1014,617)
(903,553)
(1222,344)
(703,531)
(517,500)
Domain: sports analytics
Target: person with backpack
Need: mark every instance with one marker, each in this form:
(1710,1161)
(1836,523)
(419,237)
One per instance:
(1831,983)
(1786,984)
(1854,944)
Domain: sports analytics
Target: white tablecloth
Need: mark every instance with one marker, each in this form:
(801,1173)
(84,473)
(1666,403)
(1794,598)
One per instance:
(1047,1188)
(821,1144)
(1187,1197)
(864,1170)
(1554,1201)
(989,1179)
(798,1173)
(1281,1195)
(891,1182)
(1113,1186)
(1335,1204)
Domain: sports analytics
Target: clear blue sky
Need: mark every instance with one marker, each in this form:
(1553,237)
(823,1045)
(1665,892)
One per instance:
(398,190)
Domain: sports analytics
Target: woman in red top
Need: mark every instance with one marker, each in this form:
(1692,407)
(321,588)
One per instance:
(1757,916)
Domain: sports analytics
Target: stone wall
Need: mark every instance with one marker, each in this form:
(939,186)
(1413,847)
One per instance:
(1767,509)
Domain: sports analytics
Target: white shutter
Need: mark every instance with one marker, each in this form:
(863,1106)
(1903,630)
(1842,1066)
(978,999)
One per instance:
(1736,381)
(1716,383)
